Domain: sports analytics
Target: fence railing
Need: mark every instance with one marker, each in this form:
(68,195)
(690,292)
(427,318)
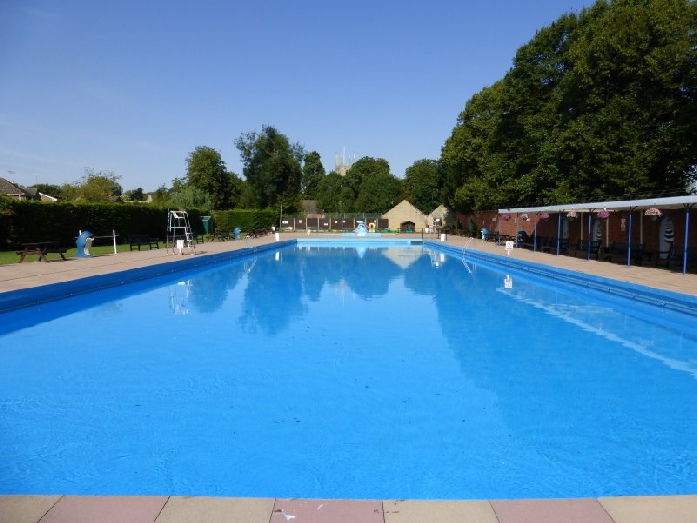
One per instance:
(331,223)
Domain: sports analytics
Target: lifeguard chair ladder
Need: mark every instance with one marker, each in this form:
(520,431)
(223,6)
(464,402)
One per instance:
(178,228)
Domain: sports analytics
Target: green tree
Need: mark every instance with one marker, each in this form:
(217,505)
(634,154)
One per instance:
(361,170)
(272,167)
(334,195)
(98,186)
(161,196)
(313,173)
(207,172)
(134,195)
(179,184)
(69,192)
(247,199)
(597,105)
(236,189)
(473,172)
(191,196)
(422,185)
(632,128)
(378,192)
(533,99)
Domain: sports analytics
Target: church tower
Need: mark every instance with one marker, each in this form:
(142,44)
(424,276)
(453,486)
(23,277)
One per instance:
(342,167)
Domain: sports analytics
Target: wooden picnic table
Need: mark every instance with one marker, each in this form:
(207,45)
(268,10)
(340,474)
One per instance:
(40,249)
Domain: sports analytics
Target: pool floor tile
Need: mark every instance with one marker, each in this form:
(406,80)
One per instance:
(411,511)
(652,509)
(103,509)
(184,509)
(550,511)
(25,509)
(327,511)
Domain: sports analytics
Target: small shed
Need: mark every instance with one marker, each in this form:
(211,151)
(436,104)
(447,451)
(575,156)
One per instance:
(405,217)
(441,216)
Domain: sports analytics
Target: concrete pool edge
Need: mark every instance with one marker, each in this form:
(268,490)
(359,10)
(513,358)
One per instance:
(17,299)
(177,509)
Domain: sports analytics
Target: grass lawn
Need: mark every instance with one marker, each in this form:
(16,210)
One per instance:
(13,257)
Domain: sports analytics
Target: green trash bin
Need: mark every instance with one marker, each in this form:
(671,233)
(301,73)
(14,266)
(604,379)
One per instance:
(207,222)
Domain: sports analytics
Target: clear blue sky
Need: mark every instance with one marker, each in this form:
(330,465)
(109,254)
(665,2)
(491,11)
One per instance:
(133,86)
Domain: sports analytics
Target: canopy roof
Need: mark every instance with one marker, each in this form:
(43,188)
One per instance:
(672,202)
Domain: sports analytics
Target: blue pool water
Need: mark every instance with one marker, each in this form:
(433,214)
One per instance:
(343,372)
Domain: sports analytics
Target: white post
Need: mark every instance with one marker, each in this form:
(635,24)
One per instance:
(114,234)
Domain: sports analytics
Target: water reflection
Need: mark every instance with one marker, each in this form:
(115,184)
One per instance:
(208,291)
(279,287)
(179,297)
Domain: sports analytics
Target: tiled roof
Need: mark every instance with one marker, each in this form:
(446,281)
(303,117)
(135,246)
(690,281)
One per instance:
(8,188)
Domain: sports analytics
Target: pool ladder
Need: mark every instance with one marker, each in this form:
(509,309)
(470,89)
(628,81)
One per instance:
(464,252)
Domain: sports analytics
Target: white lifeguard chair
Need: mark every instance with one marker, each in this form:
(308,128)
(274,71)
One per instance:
(179,233)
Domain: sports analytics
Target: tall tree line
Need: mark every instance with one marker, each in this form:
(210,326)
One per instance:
(598,105)
(279,174)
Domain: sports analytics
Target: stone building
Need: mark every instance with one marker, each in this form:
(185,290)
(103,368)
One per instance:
(407,218)
(343,166)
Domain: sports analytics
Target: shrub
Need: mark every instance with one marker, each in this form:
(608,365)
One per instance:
(24,221)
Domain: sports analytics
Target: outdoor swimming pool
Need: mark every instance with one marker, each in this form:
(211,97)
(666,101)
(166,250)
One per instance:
(353,371)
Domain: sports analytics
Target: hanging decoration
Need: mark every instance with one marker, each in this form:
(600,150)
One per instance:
(653,213)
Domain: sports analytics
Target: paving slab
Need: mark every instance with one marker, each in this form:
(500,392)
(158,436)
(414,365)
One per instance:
(327,511)
(580,510)
(657,278)
(185,509)
(417,511)
(25,509)
(105,509)
(652,509)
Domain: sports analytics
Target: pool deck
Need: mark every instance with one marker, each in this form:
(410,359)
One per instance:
(166,509)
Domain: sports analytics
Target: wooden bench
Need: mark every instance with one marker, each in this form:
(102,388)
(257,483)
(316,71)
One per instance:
(41,249)
(138,240)
(620,250)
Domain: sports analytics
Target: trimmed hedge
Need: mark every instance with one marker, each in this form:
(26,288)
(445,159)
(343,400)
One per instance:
(246,219)
(26,221)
